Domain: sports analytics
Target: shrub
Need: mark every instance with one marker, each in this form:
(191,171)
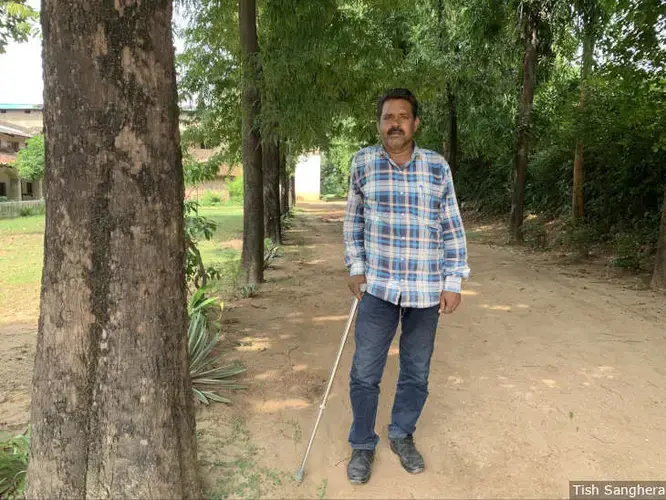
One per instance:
(627,250)
(236,189)
(270,252)
(197,227)
(207,377)
(210,198)
(287,219)
(14,454)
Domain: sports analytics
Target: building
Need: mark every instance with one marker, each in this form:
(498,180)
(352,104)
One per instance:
(27,116)
(19,122)
(308,177)
(12,188)
(219,186)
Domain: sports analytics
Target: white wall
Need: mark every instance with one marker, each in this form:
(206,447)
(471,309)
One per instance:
(33,120)
(308,177)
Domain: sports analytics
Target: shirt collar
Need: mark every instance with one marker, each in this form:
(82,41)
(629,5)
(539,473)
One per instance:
(416,153)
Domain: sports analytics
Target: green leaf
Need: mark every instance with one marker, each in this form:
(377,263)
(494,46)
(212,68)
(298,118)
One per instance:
(30,160)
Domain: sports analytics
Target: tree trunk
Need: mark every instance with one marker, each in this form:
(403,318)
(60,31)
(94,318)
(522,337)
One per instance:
(452,157)
(522,136)
(578,177)
(253,204)
(271,160)
(292,189)
(659,276)
(112,405)
(578,180)
(284,181)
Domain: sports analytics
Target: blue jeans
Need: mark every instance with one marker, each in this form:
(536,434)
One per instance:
(376,325)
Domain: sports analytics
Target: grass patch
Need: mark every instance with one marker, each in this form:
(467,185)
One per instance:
(321,491)
(229,219)
(22,253)
(475,236)
(232,461)
(216,253)
(293,431)
(33,224)
(21,258)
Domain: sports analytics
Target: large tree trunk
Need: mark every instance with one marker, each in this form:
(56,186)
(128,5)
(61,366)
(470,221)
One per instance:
(271,160)
(112,406)
(523,126)
(452,156)
(578,177)
(284,181)
(659,276)
(253,204)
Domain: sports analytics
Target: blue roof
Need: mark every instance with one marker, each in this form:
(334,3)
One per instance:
(21,106)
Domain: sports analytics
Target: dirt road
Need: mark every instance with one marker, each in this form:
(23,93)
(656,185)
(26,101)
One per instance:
(539,378)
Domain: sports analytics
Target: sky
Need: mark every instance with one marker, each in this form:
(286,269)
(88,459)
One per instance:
(21,70)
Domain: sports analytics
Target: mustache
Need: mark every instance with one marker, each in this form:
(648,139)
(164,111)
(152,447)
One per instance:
(395,131)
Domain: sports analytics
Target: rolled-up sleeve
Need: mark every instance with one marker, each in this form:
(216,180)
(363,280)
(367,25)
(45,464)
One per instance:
(456,267)
(354,224)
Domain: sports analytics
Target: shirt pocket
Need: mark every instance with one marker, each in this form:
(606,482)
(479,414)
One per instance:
(379,203)
(429,204)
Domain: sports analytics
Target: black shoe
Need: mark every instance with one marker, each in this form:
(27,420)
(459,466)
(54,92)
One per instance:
(360,466)
(410,458)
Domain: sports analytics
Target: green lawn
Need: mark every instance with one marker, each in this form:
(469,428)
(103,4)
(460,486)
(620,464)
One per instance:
(21,254)
(229,221)
(21,251)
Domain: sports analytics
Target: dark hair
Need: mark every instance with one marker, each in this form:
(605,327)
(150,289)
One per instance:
(397,94)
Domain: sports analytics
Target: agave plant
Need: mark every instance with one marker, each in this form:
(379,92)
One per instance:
(270,252)
(205,371)
(14,465)
(199,301)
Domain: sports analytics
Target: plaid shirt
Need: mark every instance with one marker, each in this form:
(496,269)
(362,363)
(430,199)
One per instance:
(403,229)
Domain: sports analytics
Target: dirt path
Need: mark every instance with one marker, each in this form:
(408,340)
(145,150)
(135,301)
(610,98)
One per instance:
(539,378)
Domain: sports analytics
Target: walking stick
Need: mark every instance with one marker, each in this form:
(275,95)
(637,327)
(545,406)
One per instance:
(352,313)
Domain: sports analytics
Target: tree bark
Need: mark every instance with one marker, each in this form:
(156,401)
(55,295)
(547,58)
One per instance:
(452,157)
(271,160)
(523,127)
(292,189)
(284,182)
(578,177)
(659,276)
(112,405)
(253,199)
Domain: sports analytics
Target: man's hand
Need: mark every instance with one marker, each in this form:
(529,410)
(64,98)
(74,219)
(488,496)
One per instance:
(449,302)
(355,283)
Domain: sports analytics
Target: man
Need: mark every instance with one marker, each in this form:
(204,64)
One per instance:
(405,243)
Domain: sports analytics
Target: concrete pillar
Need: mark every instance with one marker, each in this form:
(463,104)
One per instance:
(15,192)
(37,190)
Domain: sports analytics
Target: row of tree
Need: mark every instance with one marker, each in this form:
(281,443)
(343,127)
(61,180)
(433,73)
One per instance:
(112,413)
(553,107)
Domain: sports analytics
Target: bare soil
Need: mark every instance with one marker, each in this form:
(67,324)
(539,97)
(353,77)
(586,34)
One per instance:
(548,372)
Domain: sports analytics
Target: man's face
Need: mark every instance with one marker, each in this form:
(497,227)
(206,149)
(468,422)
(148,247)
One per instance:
(397,124)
